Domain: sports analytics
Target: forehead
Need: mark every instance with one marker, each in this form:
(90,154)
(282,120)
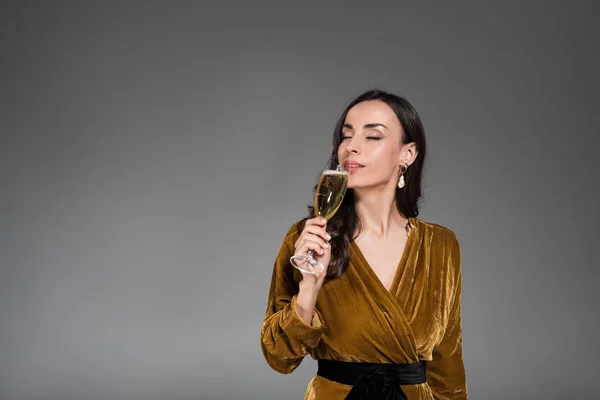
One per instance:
(370,112)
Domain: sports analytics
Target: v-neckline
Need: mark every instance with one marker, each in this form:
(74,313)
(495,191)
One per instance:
(402,263)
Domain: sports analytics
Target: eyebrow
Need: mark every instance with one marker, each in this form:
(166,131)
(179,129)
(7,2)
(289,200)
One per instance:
(373,125)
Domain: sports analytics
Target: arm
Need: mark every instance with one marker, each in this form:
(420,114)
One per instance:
(446,372)
(286,337)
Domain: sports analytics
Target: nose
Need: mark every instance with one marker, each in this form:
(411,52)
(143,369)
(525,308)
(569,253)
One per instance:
(352,146)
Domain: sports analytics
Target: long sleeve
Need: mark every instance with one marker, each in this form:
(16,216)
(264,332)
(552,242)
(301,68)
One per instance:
(446,372)
(285,338)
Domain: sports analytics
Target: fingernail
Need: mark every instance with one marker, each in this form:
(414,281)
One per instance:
(328,236)
(324,220)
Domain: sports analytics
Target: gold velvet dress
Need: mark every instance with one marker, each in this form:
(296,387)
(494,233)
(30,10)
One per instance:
(357,319)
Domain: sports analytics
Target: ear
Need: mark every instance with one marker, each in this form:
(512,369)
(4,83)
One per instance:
(408,153)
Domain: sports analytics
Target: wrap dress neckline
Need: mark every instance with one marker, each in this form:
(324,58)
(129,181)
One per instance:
(393,302)
(400,266)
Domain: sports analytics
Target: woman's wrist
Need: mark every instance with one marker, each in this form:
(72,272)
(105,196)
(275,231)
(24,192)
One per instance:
(310,288)
(306,301)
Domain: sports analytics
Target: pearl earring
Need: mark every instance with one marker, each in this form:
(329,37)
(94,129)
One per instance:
(403,169)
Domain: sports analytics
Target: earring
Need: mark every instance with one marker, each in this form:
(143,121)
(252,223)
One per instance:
(403,168)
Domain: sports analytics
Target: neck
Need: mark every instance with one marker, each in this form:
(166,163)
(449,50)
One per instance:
(377,210)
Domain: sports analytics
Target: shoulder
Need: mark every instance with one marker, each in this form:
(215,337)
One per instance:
(441,231)
(441,236)
(293,232)
(295,228)
(445,247)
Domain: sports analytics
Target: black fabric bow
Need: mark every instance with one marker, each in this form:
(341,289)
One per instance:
(378,384)
(374,381)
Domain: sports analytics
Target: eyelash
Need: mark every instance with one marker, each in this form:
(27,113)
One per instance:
(368,137)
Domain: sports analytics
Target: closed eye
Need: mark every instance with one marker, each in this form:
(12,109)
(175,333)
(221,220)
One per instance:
(368,137)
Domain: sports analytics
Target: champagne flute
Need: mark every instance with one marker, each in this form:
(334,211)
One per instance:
(328,197)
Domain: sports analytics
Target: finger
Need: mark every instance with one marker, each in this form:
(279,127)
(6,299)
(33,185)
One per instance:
(314,245)
(319,231)
(316,238)
(306,246)
(318,221)
(312,230)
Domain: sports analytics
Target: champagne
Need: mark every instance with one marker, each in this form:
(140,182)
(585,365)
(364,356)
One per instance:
(328,197)
(330,192)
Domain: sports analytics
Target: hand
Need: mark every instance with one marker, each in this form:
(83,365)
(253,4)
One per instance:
(314,237)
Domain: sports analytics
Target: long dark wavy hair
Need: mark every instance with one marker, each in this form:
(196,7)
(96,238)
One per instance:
(345,225)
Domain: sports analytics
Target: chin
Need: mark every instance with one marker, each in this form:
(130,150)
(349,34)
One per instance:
(358,184)
(354,185)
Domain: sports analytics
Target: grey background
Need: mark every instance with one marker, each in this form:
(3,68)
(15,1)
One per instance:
(153,155)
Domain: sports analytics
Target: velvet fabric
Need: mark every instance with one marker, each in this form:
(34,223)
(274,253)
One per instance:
(357,319)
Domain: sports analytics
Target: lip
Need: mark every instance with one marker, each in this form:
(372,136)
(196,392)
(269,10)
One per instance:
(352,166)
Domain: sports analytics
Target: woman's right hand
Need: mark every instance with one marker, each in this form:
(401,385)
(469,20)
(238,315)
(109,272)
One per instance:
(314,237)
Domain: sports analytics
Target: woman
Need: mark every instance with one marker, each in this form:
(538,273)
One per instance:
(384,318)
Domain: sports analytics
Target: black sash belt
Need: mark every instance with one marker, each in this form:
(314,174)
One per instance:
(380,381)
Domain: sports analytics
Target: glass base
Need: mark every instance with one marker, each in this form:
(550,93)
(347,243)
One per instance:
(307,264)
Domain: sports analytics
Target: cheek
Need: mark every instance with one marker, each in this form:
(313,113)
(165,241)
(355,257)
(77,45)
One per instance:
(340,151)
(383,156)
(385,161)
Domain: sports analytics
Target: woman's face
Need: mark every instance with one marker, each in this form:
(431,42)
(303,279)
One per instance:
(372,139)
